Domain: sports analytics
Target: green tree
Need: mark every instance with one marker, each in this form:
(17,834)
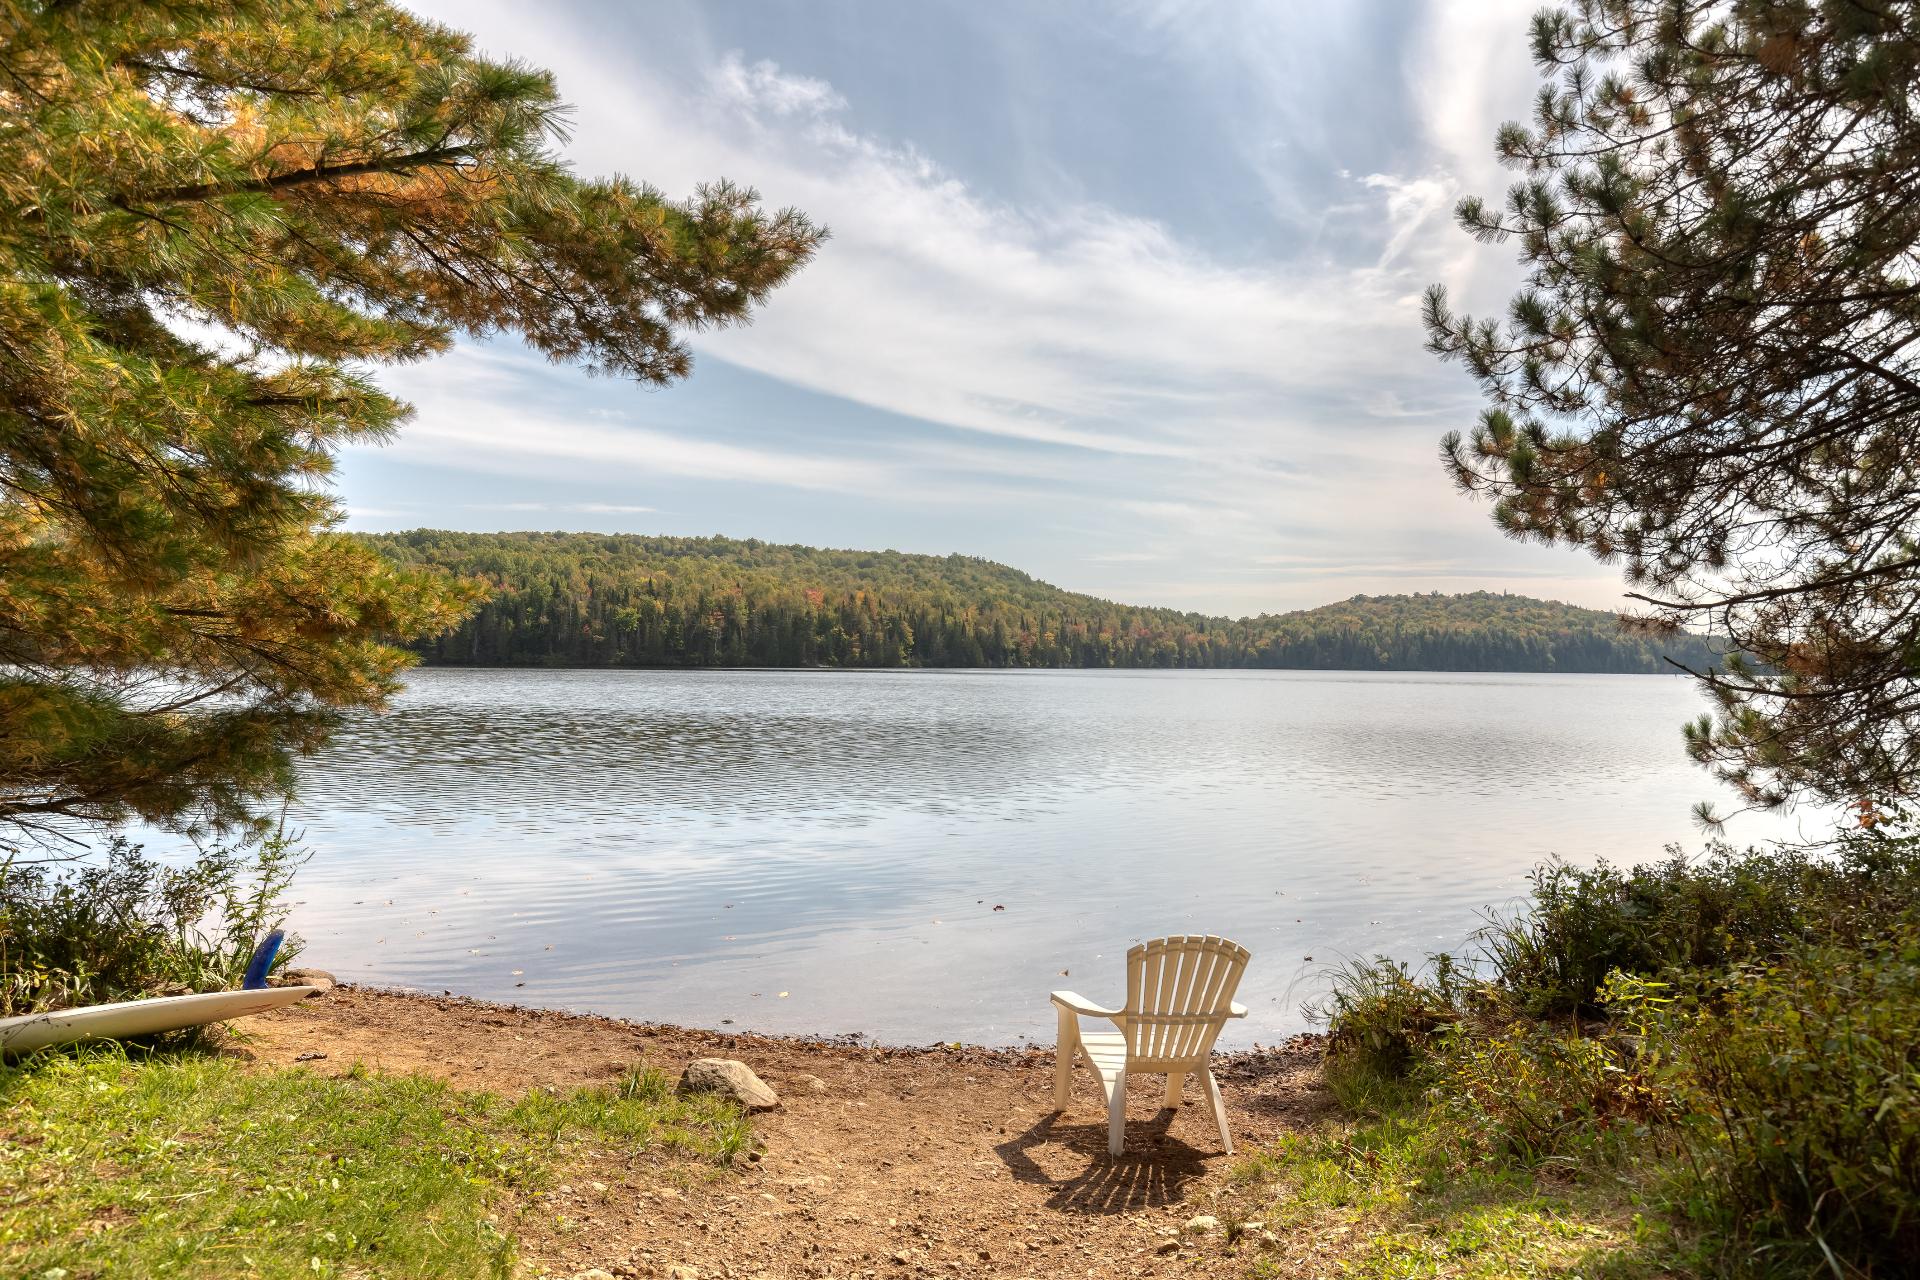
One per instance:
(214,217)
(588,599)
(1711,374)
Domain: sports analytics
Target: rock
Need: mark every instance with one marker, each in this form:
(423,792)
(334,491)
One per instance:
(731,1079)
(683,1272)
(1168,1246)
(593,1273)
(813,1084)
(1200,1224)
(308,978)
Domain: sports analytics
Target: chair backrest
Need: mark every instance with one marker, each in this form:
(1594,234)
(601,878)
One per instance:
(1179,990)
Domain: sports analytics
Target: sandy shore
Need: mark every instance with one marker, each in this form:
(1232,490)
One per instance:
(880,1161)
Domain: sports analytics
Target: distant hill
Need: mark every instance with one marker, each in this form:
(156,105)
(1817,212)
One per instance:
(620,600)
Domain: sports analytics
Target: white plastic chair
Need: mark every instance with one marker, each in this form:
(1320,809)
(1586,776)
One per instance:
(1179,995)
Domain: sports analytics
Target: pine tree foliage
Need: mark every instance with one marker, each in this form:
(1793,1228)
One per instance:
(1712,373)
(623,600)
(215,217)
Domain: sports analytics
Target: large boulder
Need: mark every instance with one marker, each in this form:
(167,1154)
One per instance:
(729,1079)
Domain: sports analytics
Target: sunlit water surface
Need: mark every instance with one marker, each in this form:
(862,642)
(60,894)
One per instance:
(922,855)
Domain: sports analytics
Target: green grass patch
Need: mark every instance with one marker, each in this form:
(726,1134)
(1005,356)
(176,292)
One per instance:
(192,1165)
(1391,1198)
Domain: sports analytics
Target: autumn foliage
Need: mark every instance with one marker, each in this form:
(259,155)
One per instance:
(215,219)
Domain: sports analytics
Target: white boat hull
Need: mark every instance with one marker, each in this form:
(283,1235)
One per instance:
(139,1017)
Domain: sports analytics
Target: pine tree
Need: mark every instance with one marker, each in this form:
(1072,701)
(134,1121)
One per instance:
(1713,372)
(214,217)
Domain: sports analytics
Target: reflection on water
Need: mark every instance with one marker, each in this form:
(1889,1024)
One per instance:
(919,855)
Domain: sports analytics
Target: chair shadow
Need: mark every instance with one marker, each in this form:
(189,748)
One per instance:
(1154,1170)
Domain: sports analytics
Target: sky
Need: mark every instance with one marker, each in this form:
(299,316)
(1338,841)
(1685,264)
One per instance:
(1124,295)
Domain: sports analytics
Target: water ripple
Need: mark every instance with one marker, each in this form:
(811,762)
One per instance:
(823,851)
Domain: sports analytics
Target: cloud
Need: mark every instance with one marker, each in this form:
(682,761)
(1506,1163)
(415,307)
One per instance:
(1412,206)
(557,448)
(1131,387)
(762,87)
(1077,323)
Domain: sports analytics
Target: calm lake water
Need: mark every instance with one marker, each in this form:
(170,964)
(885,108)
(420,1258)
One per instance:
(918,855)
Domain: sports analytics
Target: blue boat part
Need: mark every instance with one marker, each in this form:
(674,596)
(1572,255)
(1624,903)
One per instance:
(263,960)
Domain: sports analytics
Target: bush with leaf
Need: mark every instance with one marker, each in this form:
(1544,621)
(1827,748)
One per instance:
(122,924)
(1691,914)
(1747,1024)
(1537,1091)
(1803,1078)
(1384,1023)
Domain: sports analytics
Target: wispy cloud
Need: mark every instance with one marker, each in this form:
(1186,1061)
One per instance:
(558,447)
(1093,385)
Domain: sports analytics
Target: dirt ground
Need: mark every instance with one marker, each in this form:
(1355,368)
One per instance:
(898,1162)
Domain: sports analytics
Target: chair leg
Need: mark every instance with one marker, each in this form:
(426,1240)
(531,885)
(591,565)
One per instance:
(1174,1080)
(1219,1111)
(1117,1116)
(1063,1048)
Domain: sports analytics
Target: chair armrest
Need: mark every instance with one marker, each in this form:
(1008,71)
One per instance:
(1078,1003)
(1236,1010)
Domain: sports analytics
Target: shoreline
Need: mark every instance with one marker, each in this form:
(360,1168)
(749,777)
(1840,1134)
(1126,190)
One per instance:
(1030,670)
(880,1159)
(1242,1060)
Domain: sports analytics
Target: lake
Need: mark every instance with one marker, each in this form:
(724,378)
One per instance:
(922,855)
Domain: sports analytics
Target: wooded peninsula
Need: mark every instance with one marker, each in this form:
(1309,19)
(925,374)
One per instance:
(625,600)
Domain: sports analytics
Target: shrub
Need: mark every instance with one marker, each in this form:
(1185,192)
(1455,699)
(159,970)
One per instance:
(1806,1077)
(119,925)
(1754,1017)
(1383,1023)
(1699,915)
(1533,1090)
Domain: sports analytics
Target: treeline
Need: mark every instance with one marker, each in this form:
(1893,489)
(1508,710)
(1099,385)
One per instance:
(622,600)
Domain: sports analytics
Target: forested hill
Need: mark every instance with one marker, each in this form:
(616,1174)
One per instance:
(604,600)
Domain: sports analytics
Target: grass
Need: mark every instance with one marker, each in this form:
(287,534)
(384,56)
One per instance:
(193,1165)
(1388,1198)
